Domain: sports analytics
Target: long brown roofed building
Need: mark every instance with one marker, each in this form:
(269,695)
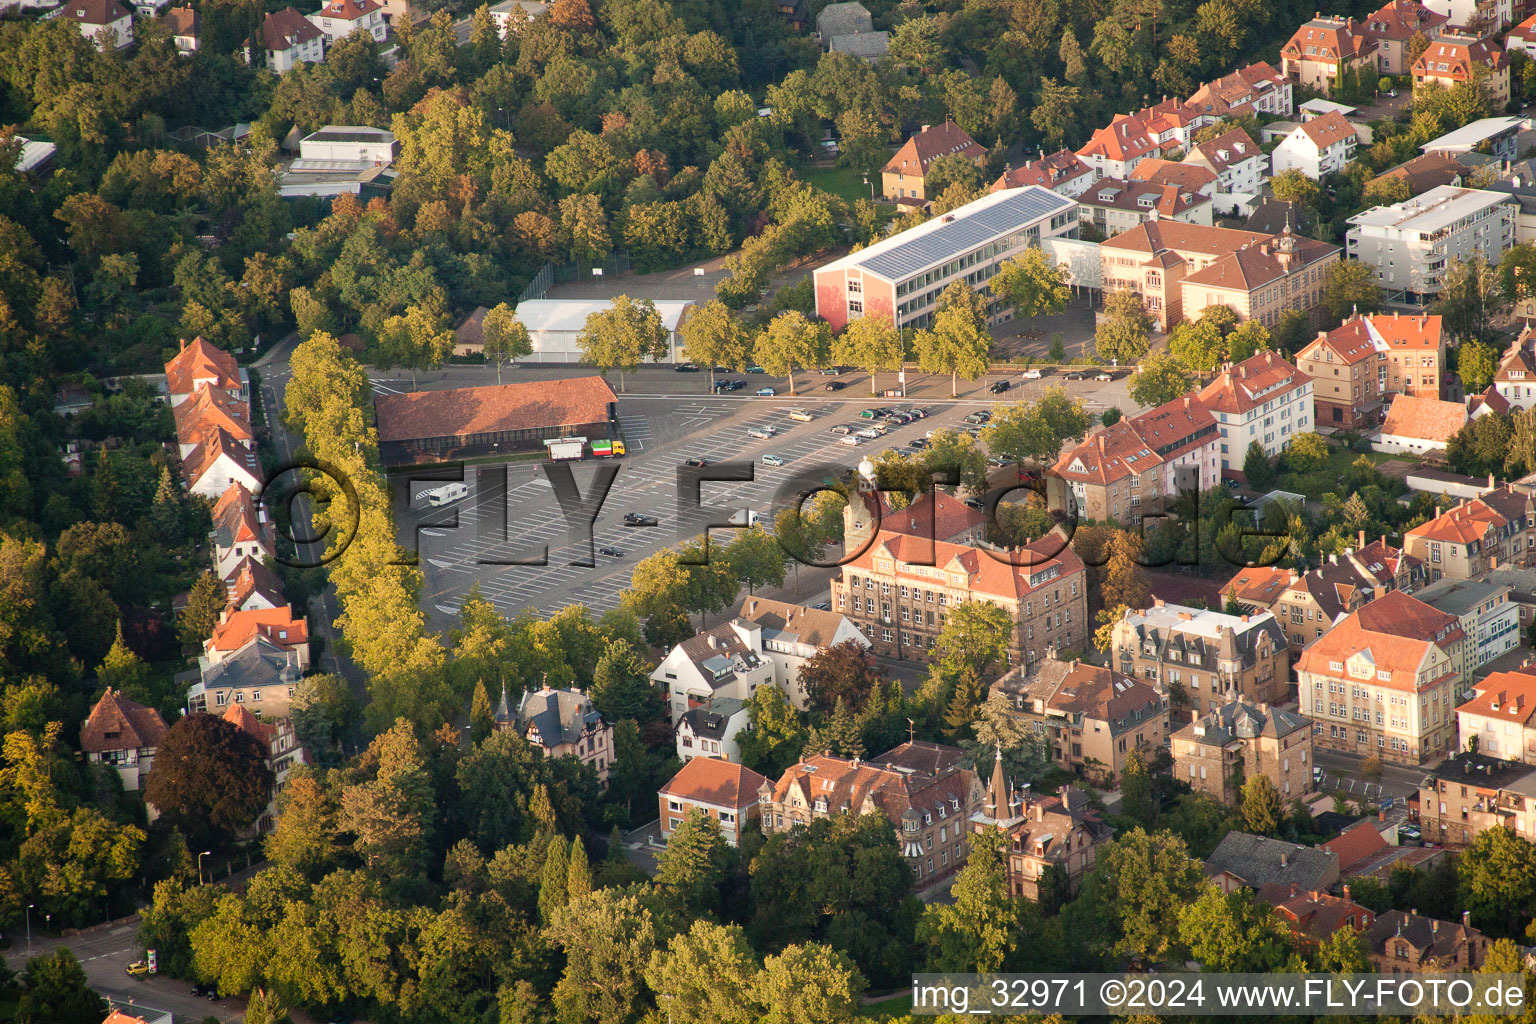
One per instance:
(461,422)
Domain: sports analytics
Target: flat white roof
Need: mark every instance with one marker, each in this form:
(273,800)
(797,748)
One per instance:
(1201,622)
(350,133)
(1469,136)
(944,237)
(1322,106)
(1438,208)
(34,154)
(571,314)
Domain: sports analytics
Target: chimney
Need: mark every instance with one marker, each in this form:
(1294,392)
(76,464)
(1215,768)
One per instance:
(1434,927)
(1346,893)
(1293,888)
(1466,919)
(927,126)
(1362,538)
(1284,858)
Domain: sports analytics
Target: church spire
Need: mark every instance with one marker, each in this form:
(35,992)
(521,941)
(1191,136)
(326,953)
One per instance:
(997,800)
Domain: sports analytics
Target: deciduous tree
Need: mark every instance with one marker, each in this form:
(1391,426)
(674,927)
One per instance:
(622,336)
(211,779)
(505,337)
(792,342)
(871,343)
(1161,377)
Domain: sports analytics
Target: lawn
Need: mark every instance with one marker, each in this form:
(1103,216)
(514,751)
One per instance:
(885,1009)
(847,183)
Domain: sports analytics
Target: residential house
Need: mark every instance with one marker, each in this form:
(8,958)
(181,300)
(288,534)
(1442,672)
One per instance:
(1496,719)
(1522,38)
(1190,177)
(564,723)
(1089,717)
(930,810)
(1256,89)
(1384,680)
(253,587)
(106,23)
(262,674)
(240,531)
(765,643)
(1129,469)
(509,16)
(338,19)
(1412,242)
(1308,604)
(1348,367)
(899,590)
(1411,943)
(1258,861)
(1217,751)
(1471,792)
(283,753)
(710,730)
(1426,171)
(1487,16)
(1315,916)
(236,630)
(208,411)
(1318,147)
(1419,425)
(1041,833)
(1263,400)
(1459,56)
(291,39)
(124,734)
(1515,380)
(185,28)
(1115,151)
(720,789)
(1326,47)
(1489,618)
(902,177)
(1393,26)
(219,462)
(1263,282)
(1477,536)
(1215,658)
(198,364)
(842,19)
(1063,172)
(1237,161)
(1113,205)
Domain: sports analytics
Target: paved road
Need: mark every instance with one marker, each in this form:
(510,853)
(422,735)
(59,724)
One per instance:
(1342,772)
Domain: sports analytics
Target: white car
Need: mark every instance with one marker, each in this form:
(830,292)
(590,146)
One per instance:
(1031,374)
(853,440)
(759,432)
(772,460)
(868,434)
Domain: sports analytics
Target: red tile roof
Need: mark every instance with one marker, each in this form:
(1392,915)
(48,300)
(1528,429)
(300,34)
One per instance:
(209,410)
(251,578)
(1119,194)
(1237,146)
(1255,266)
(1418,332)
(1462,524)
(922,149)
(351,10)
(1260,586)
(1329,129)
(1155,236)
(182,21)
(1139,444)
(1400,19)
(1125,138)
(1158,171)
(93,12)
(1329,40)
(238,716)
(1506,696)
(948,517)
(1047,172)
(197,362)
(986,575)
(1392,629)
(1426,419)
(459,412)
(1254,381)
(214,444)
(1356,847)
(118,723)
(1350,343)
(708,780)
(236,512)
(1239,92)
(238,628)
(1460,53)
(286,29)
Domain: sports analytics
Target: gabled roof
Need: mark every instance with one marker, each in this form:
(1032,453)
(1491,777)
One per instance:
(1126,137)
(241,718)
(1037,564)
(1139,444)
(1316,915)
(457,412)
(1099,694)
(1433,940)
(1351,342)
(251,578)
(792,623)
(1356,846)
(1239,92)
(1329,40)
(1120,194)
(1392,635)
(278,625)
(208,410)
(1255,266)
(287,28)
(848,785)
(1400,19)
(1327,130)
(197,362)
(182,21)
(213,445)
(1427,171)
(559,716)
(1158,235)
(350,10)
(1259,586)
(1157,171)
(1259,861)
(1256,380)
(712,719)
(1229,148)
(936,513)
(1503,696)
(1048,171)
(93,12)
(708,780)
(119,723)
(1425,419)
(922,149)
(1454,55)
(237,521)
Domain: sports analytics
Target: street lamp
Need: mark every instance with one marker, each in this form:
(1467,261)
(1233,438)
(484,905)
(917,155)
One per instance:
(29,927)
(871,187)
(200,857)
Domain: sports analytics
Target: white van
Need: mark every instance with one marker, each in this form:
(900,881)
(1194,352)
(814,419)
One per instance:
(744,517)
(446,494)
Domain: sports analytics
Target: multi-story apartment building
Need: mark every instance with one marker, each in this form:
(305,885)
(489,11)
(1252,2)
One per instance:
(1496,719)
(1263,399)
(1063,172)
(1306,604)
(291,39)
(1214,658)
(1255,89)
(1473,537)
(1217,751)
(1487,16)
(1265,281)
(1041,833)
(1236,160)
(902,179)
(1113,205)
(1460,56)
(929,806)
(1089,717)
(1393,26)
(936,515)
(1471,793)
(1410,243)
(1187,176)
(900,278)
(1115,150)
(1348,367)
(1490,619)
(899,590)
(1323,48)
(338,19)
(1129,468)
(1383,681)
(1318,147)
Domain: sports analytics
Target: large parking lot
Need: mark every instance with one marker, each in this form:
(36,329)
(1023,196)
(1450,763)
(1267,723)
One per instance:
(459,544)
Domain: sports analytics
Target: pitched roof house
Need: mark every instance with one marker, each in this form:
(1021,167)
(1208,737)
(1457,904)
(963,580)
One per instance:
(1260,861)
(1420,425)
(1236,160)
(124,734)
(1462,56)
(240,531)
(1394,25)
(220,460)
(1115,150)
(903,175)
(720,789)
(199,363)
(1317,147)
(711,728)
(103,22)
(565,723)
(1255,89)
(208,411)
(186,28)
(291,39)
(1410,943)
(252,586)
(1324,47)
(1062,172)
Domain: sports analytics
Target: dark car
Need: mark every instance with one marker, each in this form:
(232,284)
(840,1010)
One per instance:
(836,385)
(999,387)
(636,519)
(686,368)
(1075,375)
(976,503)
(696,463)
(918,442)
(980,416)
(736,385)
(610,551)
(830,371)
(756,369)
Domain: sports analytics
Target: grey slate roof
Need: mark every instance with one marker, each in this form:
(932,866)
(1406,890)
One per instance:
(1458,597)
(560,716)
(259,663)
(1259,861)
(710,719)
(1241,720)
(843,19)
(869,45)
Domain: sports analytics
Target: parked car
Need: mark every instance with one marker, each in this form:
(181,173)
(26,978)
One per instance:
(686,368)
(919,443)
(976,503)
(979,416)
(830,371)
(761,433)
(853,440)
(836,385)
(137,969)
(610,551)
(637,519)
(696,463)
(730,385)
(1032,375)
(1105,376)
(1000,386)
(869,414)
(842,428)
(1075,375)
(869,434)
(772,460)
(756,369)
(1410,835)
(766,392)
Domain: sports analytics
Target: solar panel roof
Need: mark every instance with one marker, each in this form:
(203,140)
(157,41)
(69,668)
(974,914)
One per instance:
(965,232)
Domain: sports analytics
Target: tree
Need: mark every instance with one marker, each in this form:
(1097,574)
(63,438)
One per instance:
(1136,798)
(609,937)
(554,880)
(304,837)
(842,672)
(1036,431)
(1292,186)
(621,685)
(419,339)
(578,876)
(809,984)
(1257,469)
(871,343)
(1031,285)
(756,558)
(792,342)
(955,345)
(1470,296)
(1234,932)
(504,336)
(1136,894)
(1200,345)
(712,336)
(211,779)
(705,976)
(622,335)
(1122,336)
(977,932)
(1385,191)
(694,864)
(205,603)
(1056,106)
(1497,881)
(1308,451)
(976,636)
(1261,805)
(1349,286)
(1476,363)
(1160,378)
(1123,583)
(55,991)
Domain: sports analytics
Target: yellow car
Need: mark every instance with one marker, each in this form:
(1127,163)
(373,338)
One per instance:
(138,968)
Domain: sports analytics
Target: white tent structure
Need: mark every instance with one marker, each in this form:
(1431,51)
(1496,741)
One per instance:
(553,325)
